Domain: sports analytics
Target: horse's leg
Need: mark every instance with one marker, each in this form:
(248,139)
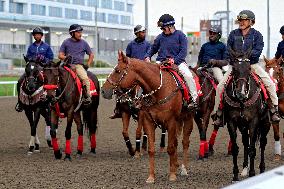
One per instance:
(245,140)
(138,139)
(80,145)
(53,128)
(36,120)
(46,114)
(200,124)
(263,141)
(277,144)
(29,115)
(144,143)
(93,130)
(70,117)
(252,150)
(125,122)
(172,147)
(212,140)
(163,140)
(235,150)
(187,129)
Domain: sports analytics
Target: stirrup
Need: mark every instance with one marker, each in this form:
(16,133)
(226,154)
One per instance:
(87,101)
(18,107)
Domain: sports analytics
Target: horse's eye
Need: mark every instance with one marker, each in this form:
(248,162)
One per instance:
(117,71)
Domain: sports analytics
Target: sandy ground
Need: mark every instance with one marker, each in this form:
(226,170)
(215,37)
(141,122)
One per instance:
(112,167)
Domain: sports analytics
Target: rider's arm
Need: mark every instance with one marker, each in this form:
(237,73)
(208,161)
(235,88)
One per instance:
(61,54)
(128,50)
(183,49)
(258,45)
(91,59)
(49,55)
(278,52)
(29,53)
(200,55)
(154,48)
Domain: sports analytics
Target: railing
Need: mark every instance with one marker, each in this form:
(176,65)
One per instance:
(14,83)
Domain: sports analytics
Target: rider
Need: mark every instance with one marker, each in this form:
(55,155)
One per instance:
(173,43)
(77,48)
(39,51)
(137,48)
(242,39)
(214,53)
(280,47)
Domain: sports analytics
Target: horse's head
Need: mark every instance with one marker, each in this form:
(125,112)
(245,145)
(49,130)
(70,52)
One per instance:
(120,78)
(51,79)
(33,75)
(275,68)
(241,73)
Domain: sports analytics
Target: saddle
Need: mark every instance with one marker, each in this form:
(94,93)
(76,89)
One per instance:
(208,74)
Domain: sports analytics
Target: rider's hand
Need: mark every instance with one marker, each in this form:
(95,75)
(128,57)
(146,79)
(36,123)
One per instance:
(147,59)
(40,58)
(213,62)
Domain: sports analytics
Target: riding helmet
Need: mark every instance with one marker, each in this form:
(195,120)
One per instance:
(282,30)
(139,28)
(74,28)
(246,15)
(37,30)
(166,20)
(216,29)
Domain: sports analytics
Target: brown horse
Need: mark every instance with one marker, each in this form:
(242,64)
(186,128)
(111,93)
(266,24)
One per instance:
(64,95)
(161,104)
(275,69)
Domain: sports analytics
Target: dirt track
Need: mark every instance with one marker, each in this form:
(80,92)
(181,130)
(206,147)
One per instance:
(112,167)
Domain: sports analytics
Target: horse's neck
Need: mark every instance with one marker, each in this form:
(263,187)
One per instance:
(281,85)
(67,81)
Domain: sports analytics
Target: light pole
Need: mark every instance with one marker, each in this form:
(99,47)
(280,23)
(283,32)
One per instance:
(228,18)
(122,42)
(13,30)
(268,32)
(58,38)
(96,32)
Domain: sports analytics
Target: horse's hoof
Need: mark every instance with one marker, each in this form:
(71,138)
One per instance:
(277,157)
(143,151)
(183,171)
(200,158)
(244,172)
(211,152)
(150,180)
(172,177)
(49,143)
(31,150)
(67,157)
(79,156)
(235,181)
(58,154)
(93,151)
(37,148)
(131,153)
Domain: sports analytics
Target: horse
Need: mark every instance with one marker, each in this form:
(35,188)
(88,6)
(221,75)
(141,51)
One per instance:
(275,69)
(32,96)
(244,109)
(127,107)
(161,104)
(64,95)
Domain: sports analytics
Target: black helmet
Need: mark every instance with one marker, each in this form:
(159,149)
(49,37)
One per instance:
(74,28)
(37,30)
(139,28)
(282,30)
(216,29)
(166,20)
(246,15)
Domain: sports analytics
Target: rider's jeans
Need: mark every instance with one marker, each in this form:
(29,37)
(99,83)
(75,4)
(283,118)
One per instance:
(184,70)
(260,72)
(217,73)
(82,74)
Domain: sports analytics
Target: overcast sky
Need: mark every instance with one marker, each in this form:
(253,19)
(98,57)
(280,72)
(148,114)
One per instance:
(194,10)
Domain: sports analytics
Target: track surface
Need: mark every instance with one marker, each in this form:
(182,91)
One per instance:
(112,167)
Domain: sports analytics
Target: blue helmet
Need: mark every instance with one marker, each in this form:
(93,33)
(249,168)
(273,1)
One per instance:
(282,30)
(246,15)
(166,20)
(216,29)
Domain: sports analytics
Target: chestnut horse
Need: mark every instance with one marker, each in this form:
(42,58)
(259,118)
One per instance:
(161,104)
(275,69)
(245,109)
(64,95)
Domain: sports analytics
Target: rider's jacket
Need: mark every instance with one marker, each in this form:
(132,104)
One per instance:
(170,46)
(280,50)
(42,49)
(212,50)
(253,40)
(137,49)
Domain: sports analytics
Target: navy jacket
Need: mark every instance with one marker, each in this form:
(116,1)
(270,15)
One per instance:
(173,45)
(137,49)
(42,49)
(212,50)
(280,50)
(240,43)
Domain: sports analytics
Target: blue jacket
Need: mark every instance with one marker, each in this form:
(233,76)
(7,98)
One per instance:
(254,39)
(137,49)
(280,50)
(43,49)
(173,45)
(212,50)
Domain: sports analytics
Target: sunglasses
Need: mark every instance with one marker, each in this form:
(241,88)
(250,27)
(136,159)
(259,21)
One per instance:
(163,29)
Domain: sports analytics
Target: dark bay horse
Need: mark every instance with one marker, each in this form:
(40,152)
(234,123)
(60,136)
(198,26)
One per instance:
(65,99)
(245,109)
(161,104)
(275,69)
(33,99)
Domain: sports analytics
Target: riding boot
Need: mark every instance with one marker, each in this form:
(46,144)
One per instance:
(275,114)
(218,118)
(87,100)
(117,113)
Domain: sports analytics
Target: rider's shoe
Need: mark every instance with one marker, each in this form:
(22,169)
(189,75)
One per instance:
(192,105)
(275,114)
(19,107)
(218,118)
(87,100)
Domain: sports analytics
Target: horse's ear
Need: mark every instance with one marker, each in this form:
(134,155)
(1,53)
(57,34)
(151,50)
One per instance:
(121,56)
(265,60)
(26,58)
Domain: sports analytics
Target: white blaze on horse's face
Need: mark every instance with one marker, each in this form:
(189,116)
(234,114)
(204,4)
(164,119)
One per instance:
(32,67)
(243,90)
(271,70)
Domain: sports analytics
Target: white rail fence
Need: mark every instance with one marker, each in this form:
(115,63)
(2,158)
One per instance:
(4,90)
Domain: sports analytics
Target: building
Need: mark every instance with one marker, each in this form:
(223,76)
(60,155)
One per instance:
(18,18)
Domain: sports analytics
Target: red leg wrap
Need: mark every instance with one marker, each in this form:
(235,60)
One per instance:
(80,143)
(206,147)
(93,141)
(213,137)
(201,149)
(55,144)
(68,147)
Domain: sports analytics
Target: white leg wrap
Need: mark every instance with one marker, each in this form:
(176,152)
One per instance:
(47,133)
(183,171)
(244,172)
(277,147)
(32,141)
(37,140)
